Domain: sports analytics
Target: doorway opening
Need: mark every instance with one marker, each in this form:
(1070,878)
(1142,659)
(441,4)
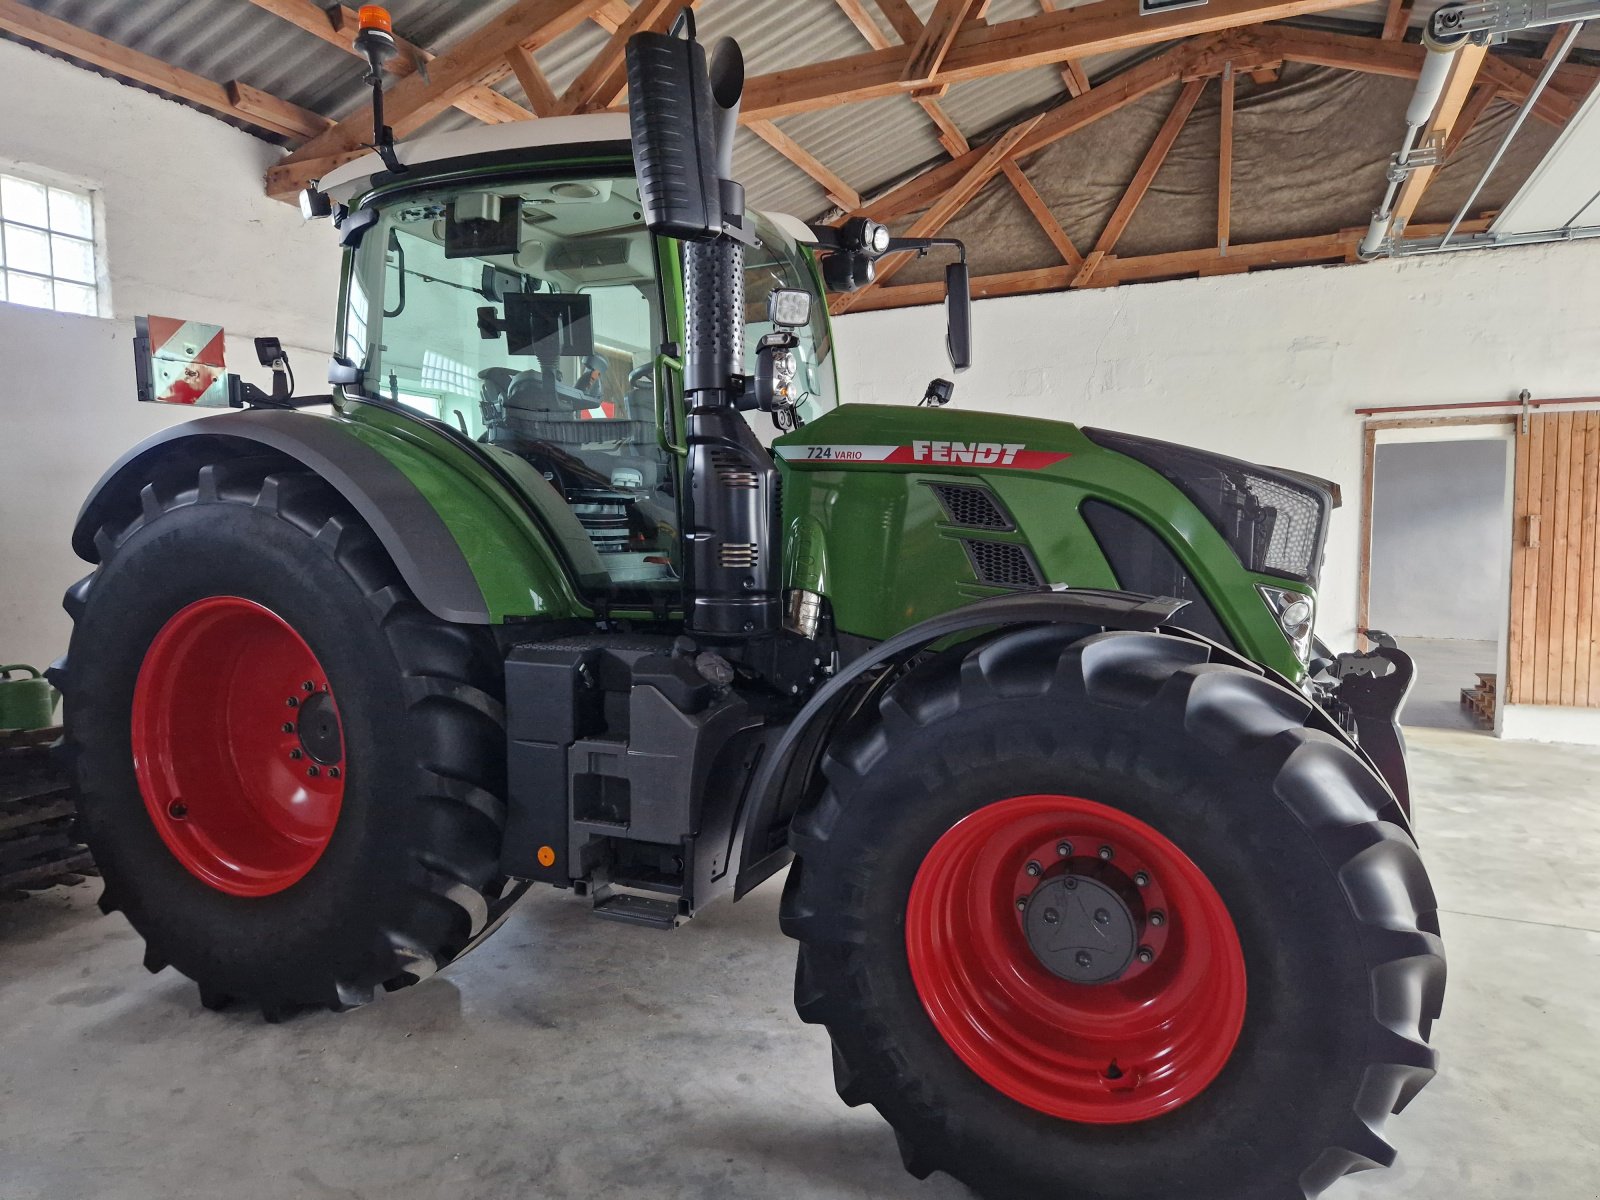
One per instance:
(1440,571)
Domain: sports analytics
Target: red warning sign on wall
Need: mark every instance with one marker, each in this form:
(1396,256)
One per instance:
(180,362)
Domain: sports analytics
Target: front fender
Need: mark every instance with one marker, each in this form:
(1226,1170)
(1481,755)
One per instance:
(462,544)
(789,771)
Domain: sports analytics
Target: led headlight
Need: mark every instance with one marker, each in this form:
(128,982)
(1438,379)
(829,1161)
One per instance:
(1296,612)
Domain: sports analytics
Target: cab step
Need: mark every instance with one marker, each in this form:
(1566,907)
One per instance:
(637,910)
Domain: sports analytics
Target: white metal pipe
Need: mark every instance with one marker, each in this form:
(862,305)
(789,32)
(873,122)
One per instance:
(1424,99)
(1552,61)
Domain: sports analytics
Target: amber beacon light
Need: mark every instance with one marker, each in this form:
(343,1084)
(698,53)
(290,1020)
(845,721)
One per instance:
(374,16)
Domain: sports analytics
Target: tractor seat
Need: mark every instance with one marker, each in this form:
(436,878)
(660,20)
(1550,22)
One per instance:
(530,412)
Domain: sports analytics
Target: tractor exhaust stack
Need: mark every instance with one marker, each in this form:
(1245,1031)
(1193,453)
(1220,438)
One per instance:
(684,116)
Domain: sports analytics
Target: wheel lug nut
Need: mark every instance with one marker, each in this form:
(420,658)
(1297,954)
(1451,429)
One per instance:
(1022,902)
(333,772)
(293,703)
(1106,853)
(1064,849)
(296,754)
(1158,918)
(312,772)
(177,810)
(1146,954)
(1035,870)
(1141,879)
(308,686)
(1083,958)
(288,726)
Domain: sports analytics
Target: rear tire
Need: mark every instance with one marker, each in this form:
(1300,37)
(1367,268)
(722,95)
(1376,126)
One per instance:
(191,839)
(1136,736)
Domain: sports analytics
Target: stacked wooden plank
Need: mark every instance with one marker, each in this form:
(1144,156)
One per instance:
(38,845)
(1480,700)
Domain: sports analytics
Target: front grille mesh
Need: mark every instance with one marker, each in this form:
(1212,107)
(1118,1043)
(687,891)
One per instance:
(1002,564)
(973,507)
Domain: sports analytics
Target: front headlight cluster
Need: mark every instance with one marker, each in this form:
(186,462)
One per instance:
(1296,613)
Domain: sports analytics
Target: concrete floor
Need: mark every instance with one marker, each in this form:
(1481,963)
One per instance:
(1444,667)
(575,1058)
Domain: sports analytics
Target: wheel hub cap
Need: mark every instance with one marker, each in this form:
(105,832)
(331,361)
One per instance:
(1081,929)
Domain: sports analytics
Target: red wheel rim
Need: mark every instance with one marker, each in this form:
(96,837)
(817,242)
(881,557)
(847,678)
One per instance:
(1128,1049)
(237,746)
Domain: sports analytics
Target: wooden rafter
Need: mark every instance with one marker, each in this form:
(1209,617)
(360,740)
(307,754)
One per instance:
(1321,248)
(1403,60)
(337,26)
(990,159)
(902,19)
(541,96)
(1139,186)
(478,60)
(237,100)
(1067,117)
(1396,20)
(1457,88)
(606,75)
(856,10)
(933,44)
(1072,73)
(840,192)
(1046,219)
(982,50)
(612,14)
(1477,104)
(1225,163)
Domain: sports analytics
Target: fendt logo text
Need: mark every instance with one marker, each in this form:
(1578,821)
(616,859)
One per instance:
(1001,454)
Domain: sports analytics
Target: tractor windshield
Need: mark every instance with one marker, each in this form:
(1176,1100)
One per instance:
(528,316)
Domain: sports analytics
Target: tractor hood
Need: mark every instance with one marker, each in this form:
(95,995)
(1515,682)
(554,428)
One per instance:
(949,506)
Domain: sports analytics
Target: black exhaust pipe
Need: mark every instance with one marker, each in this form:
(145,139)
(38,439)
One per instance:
(684,118)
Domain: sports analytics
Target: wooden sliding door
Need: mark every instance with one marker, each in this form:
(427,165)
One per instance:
(1555,563)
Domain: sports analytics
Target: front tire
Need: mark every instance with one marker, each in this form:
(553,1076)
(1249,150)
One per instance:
(288,772)
(1245,1046)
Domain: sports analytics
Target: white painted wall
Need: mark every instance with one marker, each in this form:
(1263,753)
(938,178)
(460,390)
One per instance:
(1269,366)
(187,233)
(1441,539)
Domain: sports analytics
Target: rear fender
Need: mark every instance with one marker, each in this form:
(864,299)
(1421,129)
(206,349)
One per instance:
(451,531)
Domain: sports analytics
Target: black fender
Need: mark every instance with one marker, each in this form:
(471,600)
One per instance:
(789,775)
(411,531)
(789,771)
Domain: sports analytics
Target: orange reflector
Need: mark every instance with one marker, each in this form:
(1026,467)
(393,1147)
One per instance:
(374,16)
(547,856)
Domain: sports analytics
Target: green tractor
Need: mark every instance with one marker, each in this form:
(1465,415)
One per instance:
(1101,868)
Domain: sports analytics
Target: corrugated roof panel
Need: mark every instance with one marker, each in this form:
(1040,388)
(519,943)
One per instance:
(868,144)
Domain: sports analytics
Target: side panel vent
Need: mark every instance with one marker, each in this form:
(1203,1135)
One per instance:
(734,472)
(738,556)
(974,507)
(1003,564)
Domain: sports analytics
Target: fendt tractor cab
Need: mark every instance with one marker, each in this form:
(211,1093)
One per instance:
(1101,869)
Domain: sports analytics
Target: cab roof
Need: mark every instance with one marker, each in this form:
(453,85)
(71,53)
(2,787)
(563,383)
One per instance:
(344,182)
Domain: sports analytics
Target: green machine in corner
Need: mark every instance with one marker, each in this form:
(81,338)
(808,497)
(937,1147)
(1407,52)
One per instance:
(1100,866)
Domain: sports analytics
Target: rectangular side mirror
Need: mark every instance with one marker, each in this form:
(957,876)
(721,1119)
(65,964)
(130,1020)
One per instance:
(674,139)
(958,315)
